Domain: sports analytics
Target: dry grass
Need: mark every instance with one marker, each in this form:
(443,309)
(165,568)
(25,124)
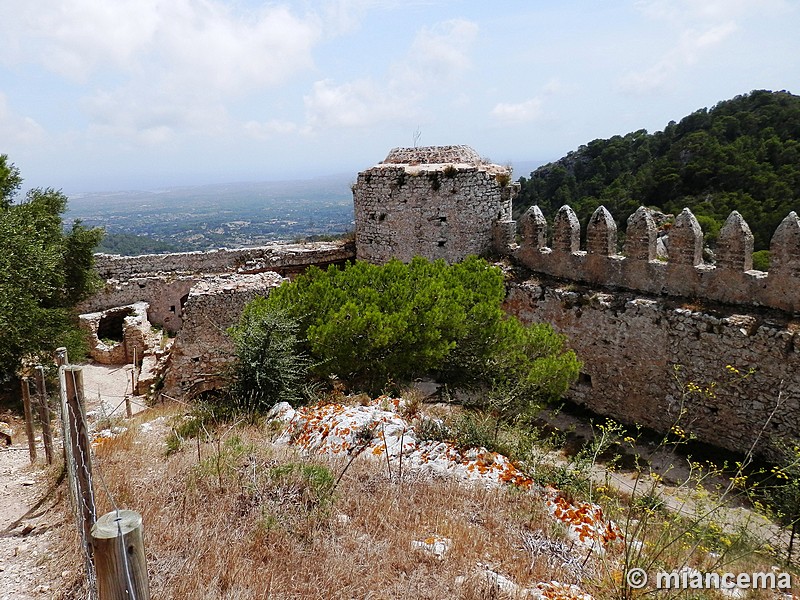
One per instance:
(231,529)
(226,518)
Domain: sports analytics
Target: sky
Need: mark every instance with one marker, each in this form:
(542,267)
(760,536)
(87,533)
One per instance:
(107,95)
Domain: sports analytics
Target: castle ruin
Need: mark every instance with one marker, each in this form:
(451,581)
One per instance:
(436,202)
(644,326)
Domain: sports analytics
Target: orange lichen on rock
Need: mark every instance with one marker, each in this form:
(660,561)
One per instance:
(585,521)
(555,590)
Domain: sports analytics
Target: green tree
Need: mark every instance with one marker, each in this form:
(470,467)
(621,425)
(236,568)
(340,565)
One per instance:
(44,271)
(742,155)
(371,325)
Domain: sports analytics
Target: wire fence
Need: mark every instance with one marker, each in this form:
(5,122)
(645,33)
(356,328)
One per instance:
(82,465)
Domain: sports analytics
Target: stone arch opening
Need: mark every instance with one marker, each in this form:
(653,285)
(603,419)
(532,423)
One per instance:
(111,325)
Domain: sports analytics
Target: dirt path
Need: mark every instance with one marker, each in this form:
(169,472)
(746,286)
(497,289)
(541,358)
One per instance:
(25,541)
(28,567)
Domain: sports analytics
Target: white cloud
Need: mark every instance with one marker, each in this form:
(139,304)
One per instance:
(269,129)
(688,11)
(441,53)
(74,38)
(16,129)
(695,27)
(207,45)
(521,112)
(191,40)
(152,117)
(437,58)
(358,103)
(175,64)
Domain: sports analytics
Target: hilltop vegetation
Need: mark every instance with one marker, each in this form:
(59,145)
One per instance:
(743,154)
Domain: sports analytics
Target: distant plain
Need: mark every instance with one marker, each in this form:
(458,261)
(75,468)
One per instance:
(221,215)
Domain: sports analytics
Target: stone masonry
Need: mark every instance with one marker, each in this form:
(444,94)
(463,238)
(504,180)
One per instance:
(118,334)
(436,202)
(196,295)
(164,280)
(633,319)
(730,280)
(633,314)
(640,353)
(202,348)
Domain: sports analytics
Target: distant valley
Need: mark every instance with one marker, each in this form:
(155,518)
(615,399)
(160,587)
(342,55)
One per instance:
(211,216)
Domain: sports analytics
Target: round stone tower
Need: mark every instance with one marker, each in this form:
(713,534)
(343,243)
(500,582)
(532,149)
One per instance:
(436,201)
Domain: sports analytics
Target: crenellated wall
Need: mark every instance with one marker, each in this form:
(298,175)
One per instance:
(634,266)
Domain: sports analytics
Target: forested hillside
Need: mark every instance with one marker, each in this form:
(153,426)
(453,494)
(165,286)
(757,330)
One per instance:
(743,154)
(128,244)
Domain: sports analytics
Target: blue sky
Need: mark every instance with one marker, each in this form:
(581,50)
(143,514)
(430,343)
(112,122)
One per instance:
(144,94)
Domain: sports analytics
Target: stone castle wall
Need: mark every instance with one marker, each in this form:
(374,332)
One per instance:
(632,318)
(631,345)
(435,202)
(731,280)
(164,280)
(202,349)
(275,257)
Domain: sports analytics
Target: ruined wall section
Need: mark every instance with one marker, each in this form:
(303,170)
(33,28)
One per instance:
(164,280)
(135,335)
(634,266)
(436,202)
(165,295)
(202,349)
(275,257)
(630,346)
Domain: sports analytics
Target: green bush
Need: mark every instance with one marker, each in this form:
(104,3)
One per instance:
(270,366)
(761,260)
(371,325)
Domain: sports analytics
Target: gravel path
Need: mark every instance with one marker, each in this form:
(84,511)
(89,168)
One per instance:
(24,541)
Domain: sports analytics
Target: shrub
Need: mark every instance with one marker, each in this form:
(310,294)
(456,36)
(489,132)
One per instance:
(761,260)
(370,325)
(270,365)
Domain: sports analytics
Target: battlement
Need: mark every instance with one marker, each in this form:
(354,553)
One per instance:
(635,266)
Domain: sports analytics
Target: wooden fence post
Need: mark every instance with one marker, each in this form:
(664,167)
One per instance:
(61,360)
(61,356)
(120,557)
(44,414)
(78,456)
(26,404)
